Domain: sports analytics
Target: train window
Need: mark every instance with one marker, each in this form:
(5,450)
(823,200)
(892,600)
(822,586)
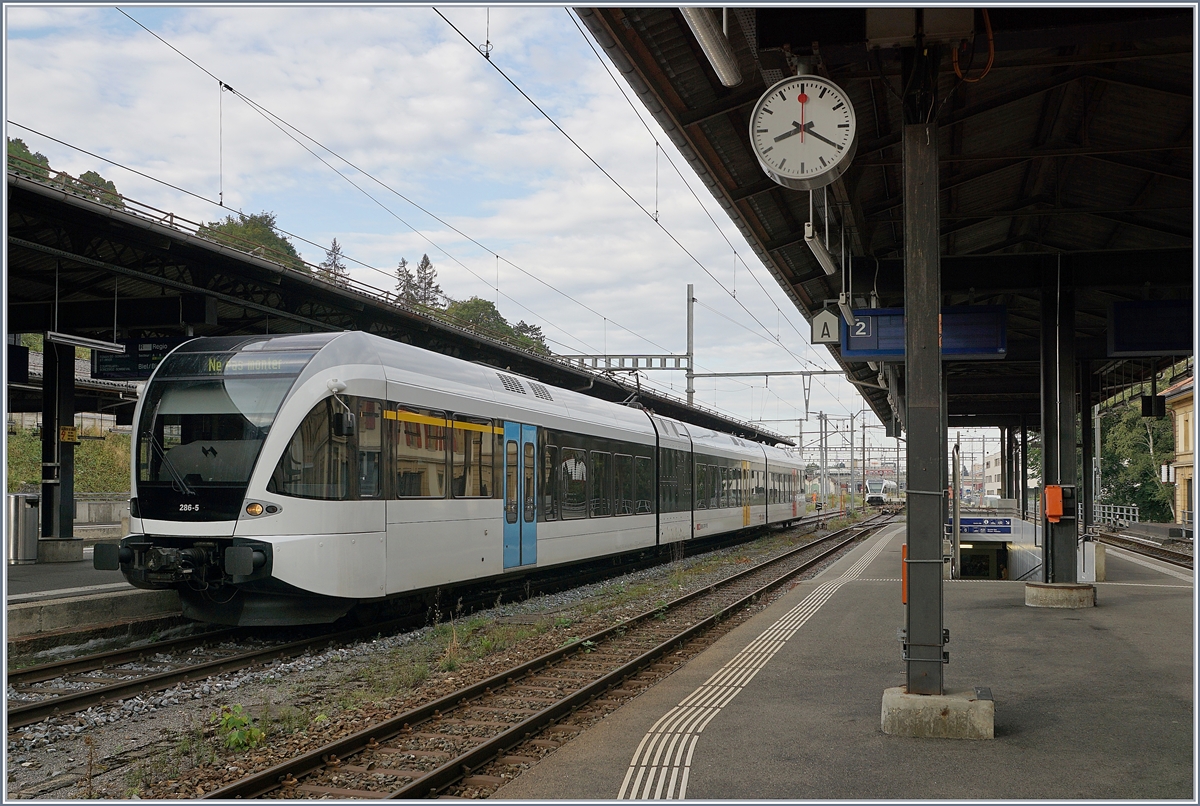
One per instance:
(510,481)
(370,448)
(623,483)
(549,488)
(471,457)
(601,501)
(643,472)
(574,484)
(530,511)
(667,483)
(419,452)
(714,487)
(316,463)
(701,486)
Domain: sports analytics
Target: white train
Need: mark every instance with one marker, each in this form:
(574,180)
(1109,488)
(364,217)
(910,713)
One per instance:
(284,479)
(882,491)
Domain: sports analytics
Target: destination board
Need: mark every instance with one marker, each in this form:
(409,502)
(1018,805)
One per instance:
(138,361)
(969,332)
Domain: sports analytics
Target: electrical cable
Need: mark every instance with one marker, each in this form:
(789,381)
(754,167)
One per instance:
(619,186)
(683,178)
(277,121)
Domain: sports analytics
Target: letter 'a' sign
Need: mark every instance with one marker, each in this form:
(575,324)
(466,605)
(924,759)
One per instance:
(825,328)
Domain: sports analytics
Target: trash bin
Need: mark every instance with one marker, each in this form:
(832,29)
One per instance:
(21,525)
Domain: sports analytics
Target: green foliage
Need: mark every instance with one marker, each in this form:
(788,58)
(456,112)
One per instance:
(101,465)
(255,234)
(483,315)
(236,728)
(332,269)
(96,186)
(17,151)
(1133,449)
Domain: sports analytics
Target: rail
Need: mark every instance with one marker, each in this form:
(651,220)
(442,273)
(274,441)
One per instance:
(1115,514)
(425,751)
(1147,548)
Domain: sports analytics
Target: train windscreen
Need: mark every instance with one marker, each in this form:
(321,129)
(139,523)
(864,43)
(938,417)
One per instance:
(205,417)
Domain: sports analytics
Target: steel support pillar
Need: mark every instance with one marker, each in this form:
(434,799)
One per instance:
(1087,502)
(926,462)
(1058,420)
(58,457)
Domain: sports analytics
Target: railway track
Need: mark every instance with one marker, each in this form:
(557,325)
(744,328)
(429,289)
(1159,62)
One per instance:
(63,687)
(462,742)
(1147,549)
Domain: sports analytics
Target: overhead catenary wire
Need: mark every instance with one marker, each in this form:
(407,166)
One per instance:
(737,255)
(280,124)
(618,185)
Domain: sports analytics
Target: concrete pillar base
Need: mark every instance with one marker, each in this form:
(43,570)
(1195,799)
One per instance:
(60,550)
(1068,595)
(957,714)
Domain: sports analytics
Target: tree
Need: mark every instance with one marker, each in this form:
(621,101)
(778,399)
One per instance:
(332,269)
(426,290)
(480,314)
(20,157)
(97,187)
(1133,449)
(419,287)
(255,234)
(405,281)
(531,336)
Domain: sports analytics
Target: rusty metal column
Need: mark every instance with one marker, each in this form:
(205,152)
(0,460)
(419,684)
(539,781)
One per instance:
(926,462)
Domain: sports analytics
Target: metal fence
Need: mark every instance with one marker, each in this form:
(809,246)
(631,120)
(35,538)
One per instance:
(1187,518)
(1111,513)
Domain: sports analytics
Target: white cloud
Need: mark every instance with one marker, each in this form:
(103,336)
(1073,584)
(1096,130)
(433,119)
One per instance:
(399,93)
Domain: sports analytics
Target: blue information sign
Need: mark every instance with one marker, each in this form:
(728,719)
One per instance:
(969,332)
(985,526)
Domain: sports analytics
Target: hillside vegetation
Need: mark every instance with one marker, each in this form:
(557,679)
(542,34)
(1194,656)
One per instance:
(101,465)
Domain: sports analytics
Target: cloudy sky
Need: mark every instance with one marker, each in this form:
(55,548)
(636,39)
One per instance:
(398,92)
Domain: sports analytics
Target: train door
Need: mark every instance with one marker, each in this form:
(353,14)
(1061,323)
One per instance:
(520,495)
(746,492)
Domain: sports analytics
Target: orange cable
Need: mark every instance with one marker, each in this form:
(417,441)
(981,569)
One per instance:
(987,23)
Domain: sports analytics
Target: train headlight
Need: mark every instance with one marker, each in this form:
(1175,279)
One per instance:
(254,509)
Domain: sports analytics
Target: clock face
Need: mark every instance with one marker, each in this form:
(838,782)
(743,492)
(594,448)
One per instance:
(803,132)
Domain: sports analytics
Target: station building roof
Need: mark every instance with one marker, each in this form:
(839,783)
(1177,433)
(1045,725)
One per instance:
(1074,151)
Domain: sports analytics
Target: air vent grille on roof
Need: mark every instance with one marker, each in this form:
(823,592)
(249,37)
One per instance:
(511,383)
(540,391)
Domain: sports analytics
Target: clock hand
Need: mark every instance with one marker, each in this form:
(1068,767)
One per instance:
(788,134)
(809,128)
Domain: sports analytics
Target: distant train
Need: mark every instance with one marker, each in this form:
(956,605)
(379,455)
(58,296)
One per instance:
(882,491)
(285,479)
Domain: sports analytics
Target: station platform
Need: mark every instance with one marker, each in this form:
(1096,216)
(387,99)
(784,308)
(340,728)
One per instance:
(1089,704)
(43,598)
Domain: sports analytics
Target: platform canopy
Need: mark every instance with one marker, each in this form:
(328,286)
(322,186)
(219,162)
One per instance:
(1070,157)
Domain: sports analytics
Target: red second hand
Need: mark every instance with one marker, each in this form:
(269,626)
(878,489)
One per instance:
(803,99)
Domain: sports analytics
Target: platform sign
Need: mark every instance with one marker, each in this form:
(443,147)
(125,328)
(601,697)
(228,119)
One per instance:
(985,526)
(140,358)
(969,332)
(825,327)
